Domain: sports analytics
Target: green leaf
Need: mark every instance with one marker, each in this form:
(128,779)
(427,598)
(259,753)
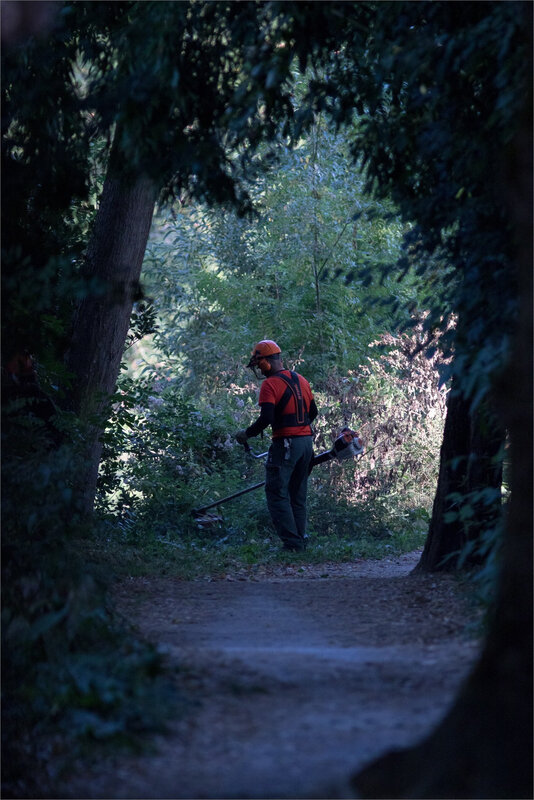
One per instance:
(46,622)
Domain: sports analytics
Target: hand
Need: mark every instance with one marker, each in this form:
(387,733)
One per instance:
(354,434)
(241,437)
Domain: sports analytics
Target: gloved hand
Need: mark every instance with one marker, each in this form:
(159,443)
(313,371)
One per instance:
(241,437)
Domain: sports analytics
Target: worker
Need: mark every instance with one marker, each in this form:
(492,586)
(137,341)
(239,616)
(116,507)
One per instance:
(287,405)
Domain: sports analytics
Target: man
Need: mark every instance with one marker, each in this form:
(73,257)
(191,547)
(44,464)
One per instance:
(287,405)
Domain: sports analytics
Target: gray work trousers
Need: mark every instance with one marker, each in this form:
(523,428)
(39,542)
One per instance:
(286,486)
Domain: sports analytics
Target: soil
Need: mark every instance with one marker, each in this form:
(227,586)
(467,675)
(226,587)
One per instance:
(299,676)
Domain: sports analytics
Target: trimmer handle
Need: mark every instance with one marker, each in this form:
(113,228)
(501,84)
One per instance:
(250,452)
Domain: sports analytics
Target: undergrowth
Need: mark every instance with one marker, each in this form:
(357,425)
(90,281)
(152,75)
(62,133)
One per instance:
(74,680)
(168,456)
(242,537)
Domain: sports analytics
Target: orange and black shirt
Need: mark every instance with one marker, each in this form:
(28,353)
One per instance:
(287,404)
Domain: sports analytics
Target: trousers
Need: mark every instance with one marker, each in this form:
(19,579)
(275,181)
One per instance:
(286,487)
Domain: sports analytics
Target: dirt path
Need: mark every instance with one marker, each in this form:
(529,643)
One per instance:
(302,675)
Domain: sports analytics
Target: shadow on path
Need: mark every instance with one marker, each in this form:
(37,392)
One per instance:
(301,677)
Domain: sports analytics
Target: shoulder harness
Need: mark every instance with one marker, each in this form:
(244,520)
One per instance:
(298,419)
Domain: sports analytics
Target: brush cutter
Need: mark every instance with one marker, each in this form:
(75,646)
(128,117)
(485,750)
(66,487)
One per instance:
(347,445)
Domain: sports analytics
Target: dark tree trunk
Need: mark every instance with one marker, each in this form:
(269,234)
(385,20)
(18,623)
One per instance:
(469,463)
(100,326)
(483,747)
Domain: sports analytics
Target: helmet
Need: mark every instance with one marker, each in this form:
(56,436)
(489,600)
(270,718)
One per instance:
(262,353)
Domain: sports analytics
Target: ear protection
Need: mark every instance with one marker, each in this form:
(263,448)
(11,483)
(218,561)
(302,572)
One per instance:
(265,365)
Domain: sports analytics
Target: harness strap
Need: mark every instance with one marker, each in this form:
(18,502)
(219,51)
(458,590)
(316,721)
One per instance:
(301,417)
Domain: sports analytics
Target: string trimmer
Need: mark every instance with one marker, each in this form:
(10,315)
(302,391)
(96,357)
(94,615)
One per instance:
(347,445)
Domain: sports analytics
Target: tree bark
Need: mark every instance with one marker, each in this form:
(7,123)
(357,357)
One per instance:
(101,321)
(469,462)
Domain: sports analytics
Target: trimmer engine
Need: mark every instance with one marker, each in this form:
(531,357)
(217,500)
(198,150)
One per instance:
(347,445)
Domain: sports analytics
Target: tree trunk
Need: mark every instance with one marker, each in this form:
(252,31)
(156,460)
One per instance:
(483,747)
(469,462)
(113,264)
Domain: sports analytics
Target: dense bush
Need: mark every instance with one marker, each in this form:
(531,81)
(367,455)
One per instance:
(166,456)
(69,673)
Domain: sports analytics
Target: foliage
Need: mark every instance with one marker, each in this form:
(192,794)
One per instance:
(219,282)
(158,446)
(396,404)
(189,105)
(67,671)
(165,457)
(443,103)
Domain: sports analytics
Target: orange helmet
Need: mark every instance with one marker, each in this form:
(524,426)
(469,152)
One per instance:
(261,353)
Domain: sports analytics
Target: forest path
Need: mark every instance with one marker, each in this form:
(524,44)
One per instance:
(301,676)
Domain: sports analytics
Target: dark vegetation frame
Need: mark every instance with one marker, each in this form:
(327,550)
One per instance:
(446,93)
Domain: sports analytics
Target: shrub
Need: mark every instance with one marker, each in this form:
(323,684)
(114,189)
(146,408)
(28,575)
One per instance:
(166,456)
(396,404)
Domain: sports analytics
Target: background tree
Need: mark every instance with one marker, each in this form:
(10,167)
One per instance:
(466,517)
(199,260)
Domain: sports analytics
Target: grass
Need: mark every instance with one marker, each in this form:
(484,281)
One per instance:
(235,542)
